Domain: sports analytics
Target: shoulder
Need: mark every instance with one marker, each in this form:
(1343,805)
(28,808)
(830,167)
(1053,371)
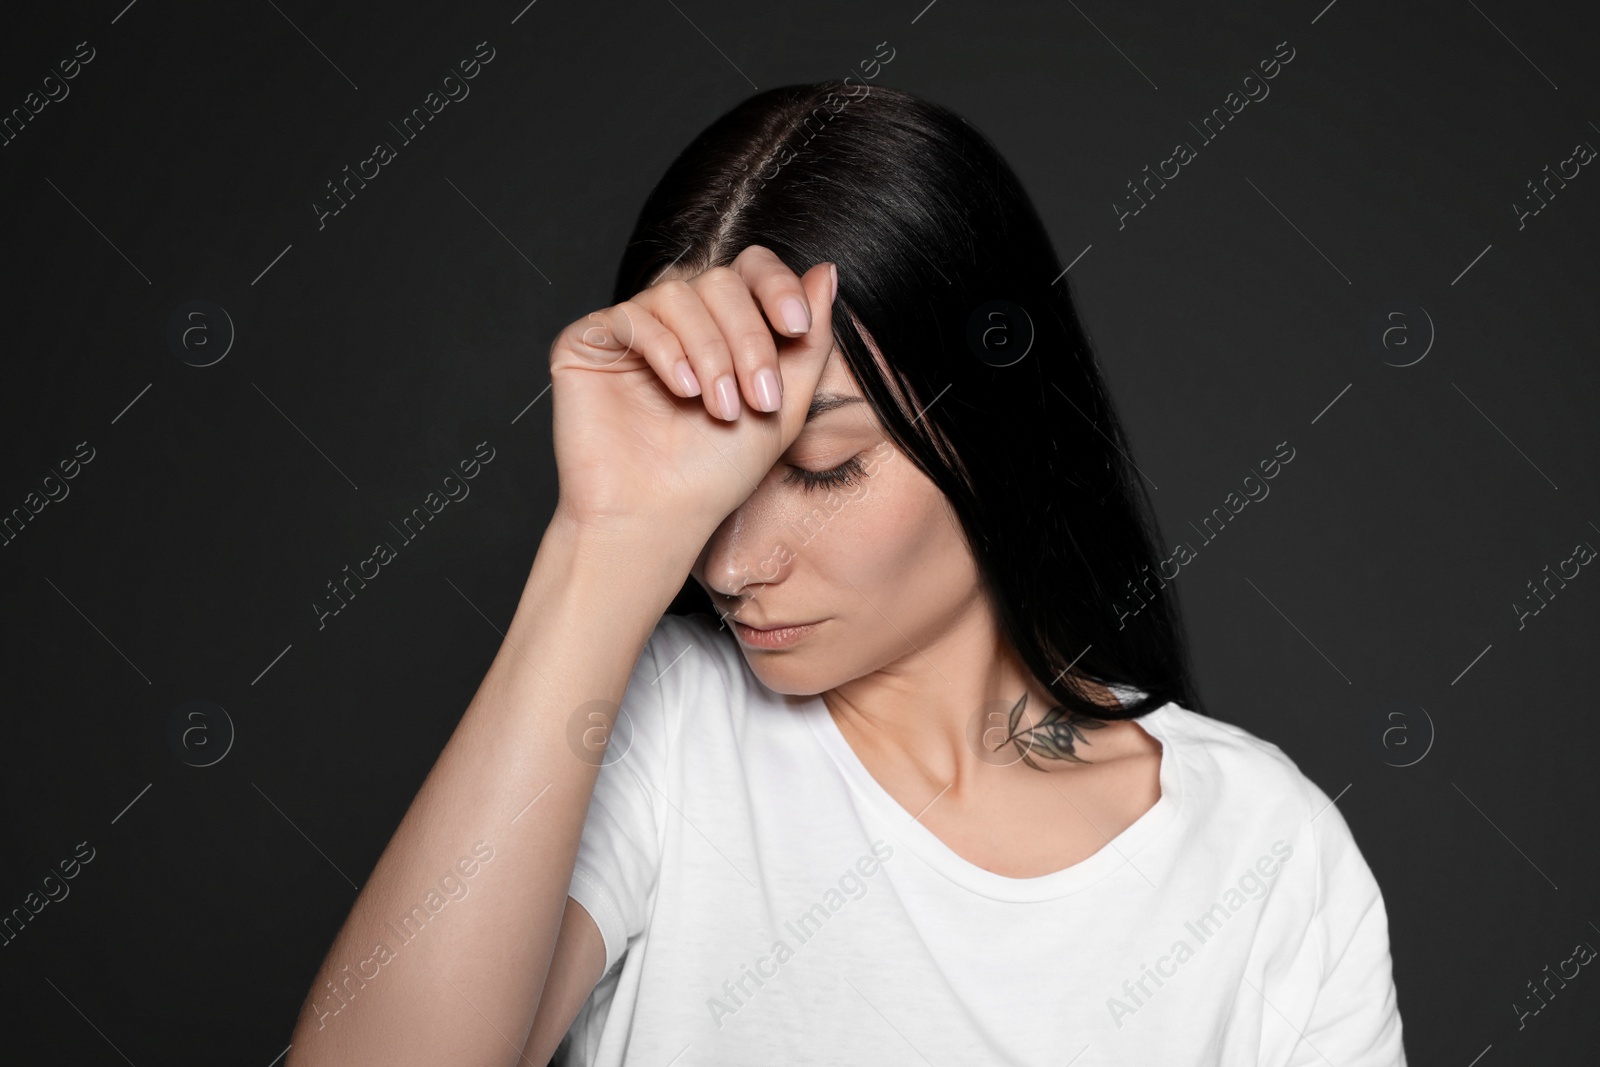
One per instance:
(1229,765)
(1245,784)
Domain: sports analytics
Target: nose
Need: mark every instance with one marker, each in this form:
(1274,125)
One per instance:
(746,553)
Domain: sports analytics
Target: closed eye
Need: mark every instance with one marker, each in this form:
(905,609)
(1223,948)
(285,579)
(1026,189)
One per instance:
(844,474)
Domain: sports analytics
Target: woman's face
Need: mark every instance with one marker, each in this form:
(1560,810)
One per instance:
(879,565)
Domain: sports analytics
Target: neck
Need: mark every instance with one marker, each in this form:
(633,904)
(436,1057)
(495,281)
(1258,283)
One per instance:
(947,709)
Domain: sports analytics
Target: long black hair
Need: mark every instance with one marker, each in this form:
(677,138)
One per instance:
(987,383)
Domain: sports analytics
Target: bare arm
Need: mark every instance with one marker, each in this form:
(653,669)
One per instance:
(646,473)
(574,972)
(465,990)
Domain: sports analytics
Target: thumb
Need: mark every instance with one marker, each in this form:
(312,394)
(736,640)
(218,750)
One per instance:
(801,359)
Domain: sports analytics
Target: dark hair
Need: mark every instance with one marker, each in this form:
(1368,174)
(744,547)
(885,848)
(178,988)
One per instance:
(944,261)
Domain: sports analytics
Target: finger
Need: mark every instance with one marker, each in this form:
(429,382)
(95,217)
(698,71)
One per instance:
(678,305)
(608,337)
(753,373)
(801,360)
(777,289)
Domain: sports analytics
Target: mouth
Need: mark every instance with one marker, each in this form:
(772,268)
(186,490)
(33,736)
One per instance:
(772,637)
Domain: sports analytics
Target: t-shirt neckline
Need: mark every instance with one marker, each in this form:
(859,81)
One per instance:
(1115,854)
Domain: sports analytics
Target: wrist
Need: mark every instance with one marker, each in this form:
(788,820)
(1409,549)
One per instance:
(622,554)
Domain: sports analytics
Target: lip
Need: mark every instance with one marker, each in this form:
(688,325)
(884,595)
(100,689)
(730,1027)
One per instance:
(772,637)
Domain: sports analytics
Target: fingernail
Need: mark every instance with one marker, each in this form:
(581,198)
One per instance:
(795,316)
(769,392)
(685,375)
(833,269)
(727,397)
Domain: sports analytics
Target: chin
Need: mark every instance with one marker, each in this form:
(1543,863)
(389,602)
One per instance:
(784,674)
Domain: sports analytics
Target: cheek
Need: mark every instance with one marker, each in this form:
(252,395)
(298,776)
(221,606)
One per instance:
(896,544)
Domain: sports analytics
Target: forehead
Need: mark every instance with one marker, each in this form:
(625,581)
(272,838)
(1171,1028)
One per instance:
(836,375)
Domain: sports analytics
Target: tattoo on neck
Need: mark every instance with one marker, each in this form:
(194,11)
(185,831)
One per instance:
(1054,736)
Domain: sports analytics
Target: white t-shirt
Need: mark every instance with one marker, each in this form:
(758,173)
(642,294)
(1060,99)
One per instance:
(763,900)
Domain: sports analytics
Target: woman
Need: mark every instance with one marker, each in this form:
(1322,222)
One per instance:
(925,779)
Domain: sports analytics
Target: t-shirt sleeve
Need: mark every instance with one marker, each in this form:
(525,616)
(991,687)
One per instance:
(619,852)
(1355,1020)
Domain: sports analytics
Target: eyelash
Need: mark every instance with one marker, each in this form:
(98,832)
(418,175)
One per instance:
(844,474)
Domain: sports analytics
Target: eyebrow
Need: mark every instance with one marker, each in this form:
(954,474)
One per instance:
(824,402)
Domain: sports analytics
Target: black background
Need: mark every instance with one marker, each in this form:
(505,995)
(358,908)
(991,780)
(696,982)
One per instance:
(1362,616)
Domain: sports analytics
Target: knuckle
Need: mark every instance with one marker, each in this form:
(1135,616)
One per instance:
(622,318)
(754,345)
(714,349)
(722,277)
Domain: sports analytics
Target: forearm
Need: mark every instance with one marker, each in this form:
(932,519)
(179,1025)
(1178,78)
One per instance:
(465,989)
